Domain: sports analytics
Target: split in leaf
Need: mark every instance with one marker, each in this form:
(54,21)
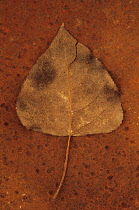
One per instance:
(68,92)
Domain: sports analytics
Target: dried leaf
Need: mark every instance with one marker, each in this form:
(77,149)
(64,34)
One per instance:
(68,84)
(68,92)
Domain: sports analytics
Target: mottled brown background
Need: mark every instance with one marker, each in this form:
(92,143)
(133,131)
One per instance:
(103,170)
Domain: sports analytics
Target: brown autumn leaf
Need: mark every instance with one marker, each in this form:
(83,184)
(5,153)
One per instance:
(68,82)
(68,92)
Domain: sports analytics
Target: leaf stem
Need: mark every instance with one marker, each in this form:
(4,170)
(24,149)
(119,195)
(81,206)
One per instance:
(64,170)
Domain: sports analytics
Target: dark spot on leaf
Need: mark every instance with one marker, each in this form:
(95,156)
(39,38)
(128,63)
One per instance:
(108,90)
(90,58)
(34,127)
(86,59)
(21,105)
(111,94)
(43,76)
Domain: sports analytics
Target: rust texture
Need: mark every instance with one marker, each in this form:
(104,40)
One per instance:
(103,170)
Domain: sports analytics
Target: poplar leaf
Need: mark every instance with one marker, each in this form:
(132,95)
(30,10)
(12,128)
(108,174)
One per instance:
(68,91)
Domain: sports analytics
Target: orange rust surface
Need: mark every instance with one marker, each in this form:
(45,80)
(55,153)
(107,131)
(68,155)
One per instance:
(103,170)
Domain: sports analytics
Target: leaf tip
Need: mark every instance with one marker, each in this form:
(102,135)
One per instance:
(62,25)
